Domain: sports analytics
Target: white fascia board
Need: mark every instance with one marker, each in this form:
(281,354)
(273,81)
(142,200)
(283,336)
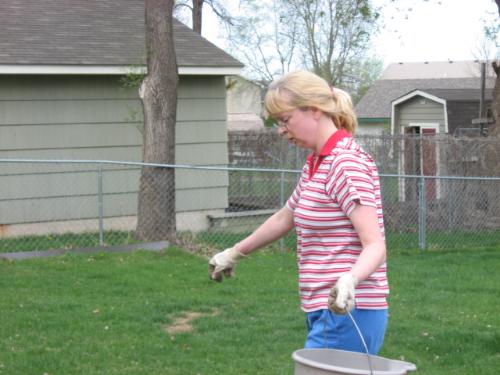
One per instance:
(108,70)
(445,118)
(208,71)
(393,115)
(68,69)
(425,95)
(418,93)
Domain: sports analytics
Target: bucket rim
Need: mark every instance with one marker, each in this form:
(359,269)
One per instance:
(408,366)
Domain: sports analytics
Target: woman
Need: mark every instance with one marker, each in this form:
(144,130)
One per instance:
(336,210)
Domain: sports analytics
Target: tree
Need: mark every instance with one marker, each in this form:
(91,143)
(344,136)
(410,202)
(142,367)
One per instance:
(361,76)
(158,92)
(329,37)
(196,11)
(264,37)
(336,34)
(197,15)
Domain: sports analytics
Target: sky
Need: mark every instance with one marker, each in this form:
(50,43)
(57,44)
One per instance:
(434,30)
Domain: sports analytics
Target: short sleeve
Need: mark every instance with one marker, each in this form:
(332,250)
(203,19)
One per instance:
(293,201)
(350,182)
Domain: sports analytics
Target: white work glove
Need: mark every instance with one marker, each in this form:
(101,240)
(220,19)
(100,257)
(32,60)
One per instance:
(223,263)
(341,299)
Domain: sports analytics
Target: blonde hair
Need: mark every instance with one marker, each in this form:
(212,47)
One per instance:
(303,89)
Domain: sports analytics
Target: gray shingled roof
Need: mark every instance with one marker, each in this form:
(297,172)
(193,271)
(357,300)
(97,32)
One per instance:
(91,32)
(435,69)
(376,103)
(461,95)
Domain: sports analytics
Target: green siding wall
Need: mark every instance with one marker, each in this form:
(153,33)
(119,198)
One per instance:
(95,117)
(379,127)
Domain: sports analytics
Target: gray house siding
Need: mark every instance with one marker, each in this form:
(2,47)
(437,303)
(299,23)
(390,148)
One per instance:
(419,110)
(461,114)
(94,117)
(67,117)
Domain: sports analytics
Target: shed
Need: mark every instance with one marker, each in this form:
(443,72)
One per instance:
(429,112)
(399,79)
(62,96)
(445,110)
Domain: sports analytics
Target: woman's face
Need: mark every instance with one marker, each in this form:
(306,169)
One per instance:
(298,126)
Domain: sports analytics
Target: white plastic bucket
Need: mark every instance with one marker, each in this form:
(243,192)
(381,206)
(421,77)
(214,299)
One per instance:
(340,362)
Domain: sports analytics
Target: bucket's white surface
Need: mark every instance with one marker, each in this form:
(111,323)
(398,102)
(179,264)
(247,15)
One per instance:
(340,362)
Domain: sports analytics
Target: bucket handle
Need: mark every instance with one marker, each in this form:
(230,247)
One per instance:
(363,341)
(360,336)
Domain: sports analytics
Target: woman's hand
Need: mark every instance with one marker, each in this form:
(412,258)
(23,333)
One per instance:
(342,295)
(223,263)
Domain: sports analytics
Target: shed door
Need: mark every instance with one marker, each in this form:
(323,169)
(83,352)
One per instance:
(421,158)
(429,161)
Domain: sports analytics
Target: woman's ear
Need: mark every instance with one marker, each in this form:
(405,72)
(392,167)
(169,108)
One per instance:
(317,113)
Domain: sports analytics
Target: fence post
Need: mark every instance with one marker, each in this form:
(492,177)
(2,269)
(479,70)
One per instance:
(282,202)
(100,205)
(422,214)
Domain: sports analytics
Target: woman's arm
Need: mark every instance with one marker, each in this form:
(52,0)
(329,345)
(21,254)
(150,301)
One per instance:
(373,253)
(366,224)
(272,229)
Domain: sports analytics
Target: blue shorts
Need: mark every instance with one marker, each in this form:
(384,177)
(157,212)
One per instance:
(329,330)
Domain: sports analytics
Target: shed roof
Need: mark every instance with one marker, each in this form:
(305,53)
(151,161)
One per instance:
(86,33)
(450,95)
(376,103)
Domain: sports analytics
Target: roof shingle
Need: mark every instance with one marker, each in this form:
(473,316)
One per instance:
(377,101)
(461,95)
(435,69)
(92,32)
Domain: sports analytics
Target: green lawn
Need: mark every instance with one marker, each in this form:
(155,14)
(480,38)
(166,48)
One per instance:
(64,241)
(111,314)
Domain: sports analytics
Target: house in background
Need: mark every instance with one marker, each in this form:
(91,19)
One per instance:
(62,96)
(432,112)
(447,78)
(450,111)
(244,104)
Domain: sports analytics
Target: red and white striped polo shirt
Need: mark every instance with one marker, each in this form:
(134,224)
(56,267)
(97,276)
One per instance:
(327,244)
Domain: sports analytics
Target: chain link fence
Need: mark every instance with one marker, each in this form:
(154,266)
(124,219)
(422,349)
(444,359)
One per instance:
(435,155)
(81,204)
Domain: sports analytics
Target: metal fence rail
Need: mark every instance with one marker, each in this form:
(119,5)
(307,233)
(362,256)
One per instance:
(65,204)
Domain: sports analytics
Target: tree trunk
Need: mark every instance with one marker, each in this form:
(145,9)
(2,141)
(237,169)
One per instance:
(197,15)
(156,202)
(494,129)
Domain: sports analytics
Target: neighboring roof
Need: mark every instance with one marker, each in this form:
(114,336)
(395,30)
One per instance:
(452,95)
(376,103)
(435,69)
(461,95)
(93,36)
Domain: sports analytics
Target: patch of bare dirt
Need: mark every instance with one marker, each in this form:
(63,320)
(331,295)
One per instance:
(183,322)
